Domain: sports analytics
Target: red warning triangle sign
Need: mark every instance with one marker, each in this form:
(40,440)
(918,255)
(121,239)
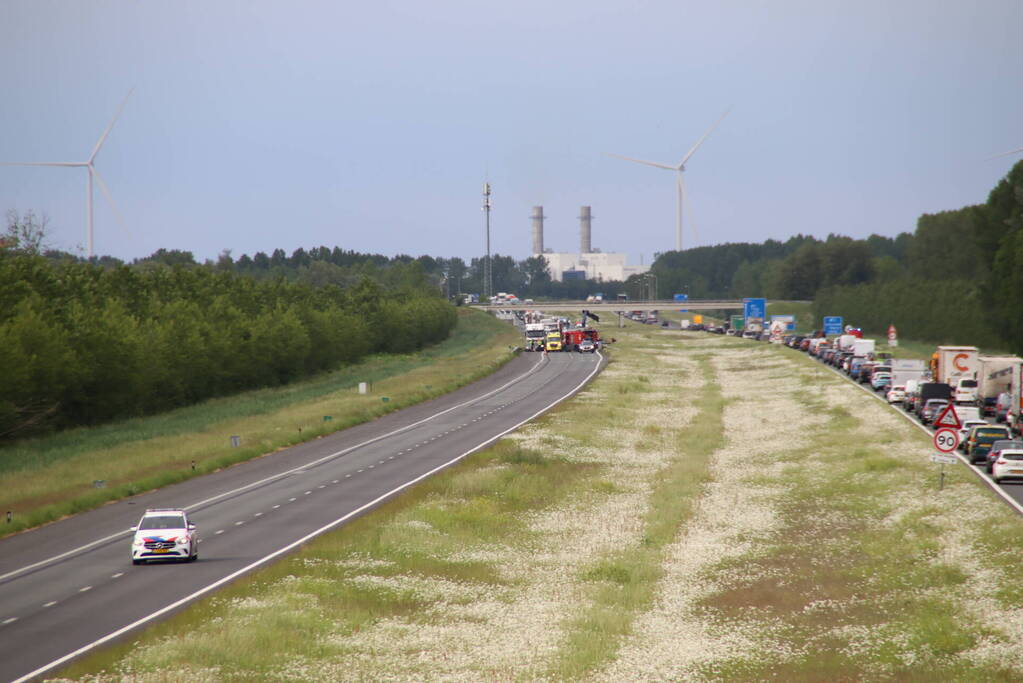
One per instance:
(948,418)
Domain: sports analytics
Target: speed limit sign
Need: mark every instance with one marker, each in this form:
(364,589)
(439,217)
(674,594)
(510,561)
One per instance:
(946,440)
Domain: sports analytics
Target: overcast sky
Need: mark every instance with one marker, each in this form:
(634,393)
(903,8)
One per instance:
(259,124)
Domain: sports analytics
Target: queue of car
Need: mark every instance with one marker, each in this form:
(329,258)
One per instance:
(997,448)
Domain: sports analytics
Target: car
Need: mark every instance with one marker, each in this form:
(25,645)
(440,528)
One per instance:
(996,449)
(664,323)
(964,431)
(1002,406)
(164,534)
(586,346)
(1009,465)
(896,394)
(932,409)
(978,443)
(881,381)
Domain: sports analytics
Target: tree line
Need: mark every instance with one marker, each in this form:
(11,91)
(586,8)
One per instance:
(82,343)
(957,278)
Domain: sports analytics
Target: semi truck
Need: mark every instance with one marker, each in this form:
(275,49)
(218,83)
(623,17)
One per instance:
(957,366)
(536,337)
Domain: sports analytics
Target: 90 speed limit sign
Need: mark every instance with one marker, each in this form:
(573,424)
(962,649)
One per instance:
(946,440)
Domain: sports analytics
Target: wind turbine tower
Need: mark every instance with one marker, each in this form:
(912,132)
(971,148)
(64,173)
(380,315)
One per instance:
(680,182)
(93,173)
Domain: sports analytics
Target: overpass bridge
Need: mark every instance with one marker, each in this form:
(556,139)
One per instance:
(615,306)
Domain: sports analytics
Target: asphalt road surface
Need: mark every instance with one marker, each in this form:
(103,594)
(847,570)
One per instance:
(69,587)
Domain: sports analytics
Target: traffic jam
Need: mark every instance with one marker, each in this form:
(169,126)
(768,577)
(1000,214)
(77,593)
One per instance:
(970,400)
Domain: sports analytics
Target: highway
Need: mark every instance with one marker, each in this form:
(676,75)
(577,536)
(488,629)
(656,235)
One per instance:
(69,587)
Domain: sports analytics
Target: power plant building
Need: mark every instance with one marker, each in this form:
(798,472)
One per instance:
(586,264)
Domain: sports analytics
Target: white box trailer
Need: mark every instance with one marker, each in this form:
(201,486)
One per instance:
(995,375)
(862,347)
(957,366)
(905,370)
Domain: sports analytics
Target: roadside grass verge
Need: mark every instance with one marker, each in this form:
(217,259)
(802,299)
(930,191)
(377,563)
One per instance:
(623,582)
(47,478)
(863,580)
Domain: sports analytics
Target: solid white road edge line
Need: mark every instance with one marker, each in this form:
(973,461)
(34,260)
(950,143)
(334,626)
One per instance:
(280,475)
(263,560)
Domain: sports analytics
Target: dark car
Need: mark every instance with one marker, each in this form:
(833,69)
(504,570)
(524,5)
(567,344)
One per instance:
(997,448)
(932,408)
(978,443)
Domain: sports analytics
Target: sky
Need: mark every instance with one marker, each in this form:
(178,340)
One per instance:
(256,124)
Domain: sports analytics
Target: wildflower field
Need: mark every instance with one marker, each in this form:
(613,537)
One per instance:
(708,509)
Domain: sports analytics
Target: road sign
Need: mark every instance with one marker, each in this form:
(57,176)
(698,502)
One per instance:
(754,311)
(682,299)
(832,325)
(893,336)
(948,418)
(943,459)
(946,440)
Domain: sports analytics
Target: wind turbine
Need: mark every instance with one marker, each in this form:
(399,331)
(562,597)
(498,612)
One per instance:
(88,164)
(1005,154)
(680,183)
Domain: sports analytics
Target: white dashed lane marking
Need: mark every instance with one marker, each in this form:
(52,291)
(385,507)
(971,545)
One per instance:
(86,588)
(51,603)
(219,531)
(10,621)
(117,575)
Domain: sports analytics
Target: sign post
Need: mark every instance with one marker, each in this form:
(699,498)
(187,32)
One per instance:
(946,440)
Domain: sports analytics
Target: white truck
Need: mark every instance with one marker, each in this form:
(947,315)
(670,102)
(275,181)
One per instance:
(845,342)
(905,370)
(957,366)
(536,336)
(861,348)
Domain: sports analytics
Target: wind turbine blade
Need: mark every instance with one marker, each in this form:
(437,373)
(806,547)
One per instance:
(102,138)
(110,199)
(43,163)
(648,163)
(1005,154)
(700,141)
(685,206)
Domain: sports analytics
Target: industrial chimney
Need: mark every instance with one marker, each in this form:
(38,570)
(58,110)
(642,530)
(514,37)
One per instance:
(537,218)
(585,247)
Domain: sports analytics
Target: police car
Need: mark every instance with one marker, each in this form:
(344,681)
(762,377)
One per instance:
(164,534)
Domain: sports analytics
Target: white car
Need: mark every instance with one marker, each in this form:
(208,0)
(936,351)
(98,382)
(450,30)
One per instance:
(1009,465)
(164,534)
(897,394)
